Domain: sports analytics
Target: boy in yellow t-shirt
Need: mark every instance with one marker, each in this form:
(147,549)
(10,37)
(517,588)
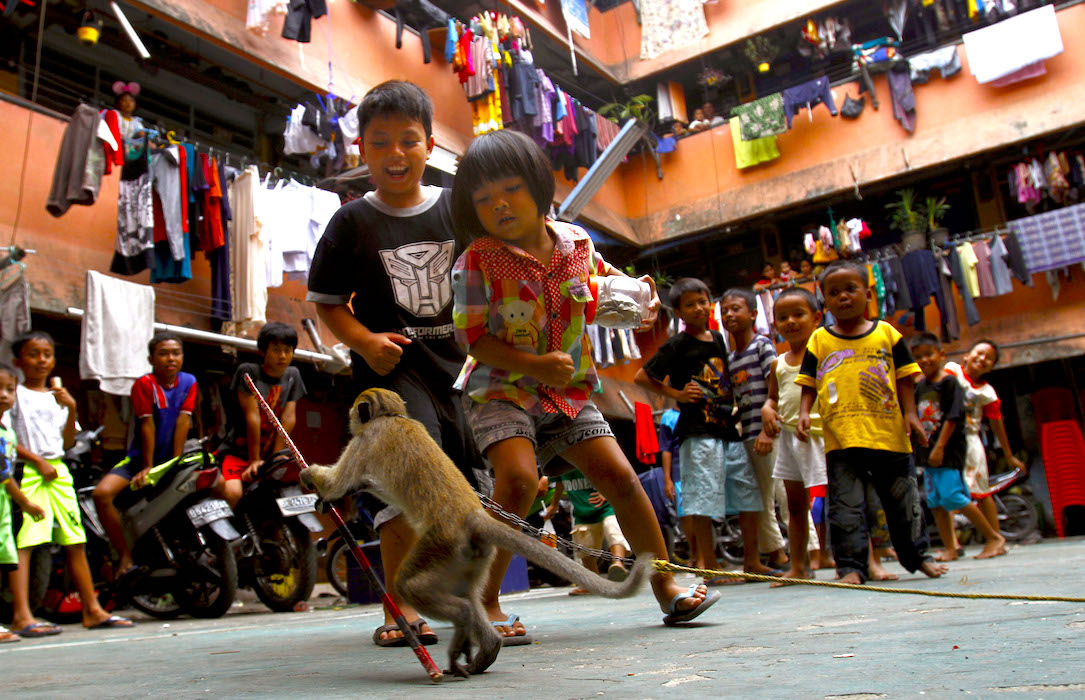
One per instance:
(862,376)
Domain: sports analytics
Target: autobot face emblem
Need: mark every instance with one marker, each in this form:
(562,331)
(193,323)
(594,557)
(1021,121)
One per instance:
(419,275)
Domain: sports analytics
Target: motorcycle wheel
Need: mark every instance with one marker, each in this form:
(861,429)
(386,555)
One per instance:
(285,573)
(162,606)
(210,590)
(1017,517)
(335,566)
(729,547)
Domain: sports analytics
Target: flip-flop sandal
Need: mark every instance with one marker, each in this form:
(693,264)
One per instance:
(675,616)
(113,622)
(389,641)
(724,581)
(580,591)
(424,638)
(38,629)
(8,637)
(515,640)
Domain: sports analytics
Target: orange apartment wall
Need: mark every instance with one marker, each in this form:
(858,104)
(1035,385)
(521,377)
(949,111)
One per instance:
(956,118)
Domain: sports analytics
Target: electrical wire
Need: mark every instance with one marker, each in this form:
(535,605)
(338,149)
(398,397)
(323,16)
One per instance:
(29,124)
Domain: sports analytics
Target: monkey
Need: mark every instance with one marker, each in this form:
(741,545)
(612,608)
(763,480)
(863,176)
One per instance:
(442,576)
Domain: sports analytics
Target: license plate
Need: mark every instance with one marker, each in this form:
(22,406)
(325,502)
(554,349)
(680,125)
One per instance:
(296,505)
(209,511)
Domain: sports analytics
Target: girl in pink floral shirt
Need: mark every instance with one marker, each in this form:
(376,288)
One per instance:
(523,291)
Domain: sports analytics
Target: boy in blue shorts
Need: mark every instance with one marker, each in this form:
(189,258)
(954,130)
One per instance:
(9,557)
(162,404)
(940,401)
(716,475)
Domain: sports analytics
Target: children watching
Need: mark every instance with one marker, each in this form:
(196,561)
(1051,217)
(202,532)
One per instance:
(523,295)
(940,402)
(253,438)
(981,401)
(44,421)
(392,252)
(691,368)
(799,463)
(861,374)
(594,523)
(162,404)
(750,363)
(9,557)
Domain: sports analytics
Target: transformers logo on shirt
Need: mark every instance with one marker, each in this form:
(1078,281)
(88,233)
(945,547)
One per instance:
(419,273)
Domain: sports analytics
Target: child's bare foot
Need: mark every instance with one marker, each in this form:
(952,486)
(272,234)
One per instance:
(820,561)
(994,548)
(946,555)
(852,578)
(932,569)
(763,570)
(778,559)
(880,573)
(790,573)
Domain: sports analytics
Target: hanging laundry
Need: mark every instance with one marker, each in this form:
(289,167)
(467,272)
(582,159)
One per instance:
(247,251)
(259,14)
(946,60)
(983,268)
(134,250)
(299,19)
(70,182)
(808,95)
(1000,270)
(750,153)
(969,261)
(670,24)
(1000,49)
(900,91)
(1050,240)
(762,117)
(956,271)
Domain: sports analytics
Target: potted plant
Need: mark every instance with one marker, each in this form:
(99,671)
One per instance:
(637,107)
(934,210)
(907,216)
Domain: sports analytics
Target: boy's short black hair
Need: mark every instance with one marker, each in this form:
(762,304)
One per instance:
(495,156)
(161,337)
(23,338)
(745,295)
(804,294)
(924,338)
(684,286)
(986,341)
(397,98)
(5,368)
(276,332)
(841,265)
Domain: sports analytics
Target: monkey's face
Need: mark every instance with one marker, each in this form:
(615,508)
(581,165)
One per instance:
(373,403)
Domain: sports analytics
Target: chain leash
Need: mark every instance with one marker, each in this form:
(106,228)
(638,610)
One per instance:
(548,538)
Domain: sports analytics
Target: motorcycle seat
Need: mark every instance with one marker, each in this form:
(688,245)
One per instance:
(166,474)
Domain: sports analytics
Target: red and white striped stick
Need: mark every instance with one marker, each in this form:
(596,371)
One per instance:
(424,658)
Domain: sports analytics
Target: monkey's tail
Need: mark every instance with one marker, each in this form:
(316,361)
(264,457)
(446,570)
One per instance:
(538,553)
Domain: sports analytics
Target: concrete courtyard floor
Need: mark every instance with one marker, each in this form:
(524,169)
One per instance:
(794,642)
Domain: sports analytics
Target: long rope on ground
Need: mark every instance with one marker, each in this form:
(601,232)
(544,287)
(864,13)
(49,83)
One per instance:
(666,566)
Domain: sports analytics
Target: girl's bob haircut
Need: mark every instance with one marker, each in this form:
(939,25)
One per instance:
(495,156)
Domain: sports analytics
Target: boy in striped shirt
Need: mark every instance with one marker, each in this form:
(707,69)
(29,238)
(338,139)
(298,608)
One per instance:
(750,363)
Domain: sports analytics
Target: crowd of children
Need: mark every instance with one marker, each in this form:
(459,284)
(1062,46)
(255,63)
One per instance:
(472,304)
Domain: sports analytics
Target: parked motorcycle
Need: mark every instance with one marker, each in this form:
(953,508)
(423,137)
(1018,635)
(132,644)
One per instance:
(179,532)
(279,560)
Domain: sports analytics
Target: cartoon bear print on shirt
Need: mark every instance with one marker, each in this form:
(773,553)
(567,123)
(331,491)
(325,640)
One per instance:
(519,329)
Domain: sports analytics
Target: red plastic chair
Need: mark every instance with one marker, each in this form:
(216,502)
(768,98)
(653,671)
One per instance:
(1053,403)
(1064,465)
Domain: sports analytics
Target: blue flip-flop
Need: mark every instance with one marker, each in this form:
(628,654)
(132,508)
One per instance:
(675,616)
(515,640)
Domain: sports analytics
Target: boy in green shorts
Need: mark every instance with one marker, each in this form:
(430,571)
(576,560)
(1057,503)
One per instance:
(9,558)
(43,418)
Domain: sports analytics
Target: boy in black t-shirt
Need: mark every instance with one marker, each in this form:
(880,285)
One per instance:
(940,399)
(381,281)
(252,438)
(716,475)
